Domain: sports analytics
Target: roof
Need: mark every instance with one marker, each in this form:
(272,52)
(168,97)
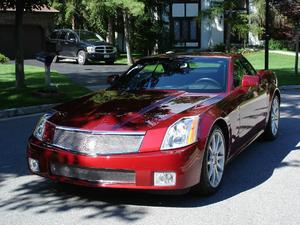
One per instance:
(170,56)
(44,9)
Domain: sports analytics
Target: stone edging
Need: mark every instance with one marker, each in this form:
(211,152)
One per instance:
(6,113)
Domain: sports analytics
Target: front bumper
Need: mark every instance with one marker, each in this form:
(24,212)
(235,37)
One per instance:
(101,56)
(185,162)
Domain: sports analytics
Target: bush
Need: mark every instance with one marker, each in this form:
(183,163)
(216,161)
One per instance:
(219,47)
(3,58)
(276,44)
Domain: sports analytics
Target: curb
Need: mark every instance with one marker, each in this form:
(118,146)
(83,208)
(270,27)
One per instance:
(7,113)
(289,87)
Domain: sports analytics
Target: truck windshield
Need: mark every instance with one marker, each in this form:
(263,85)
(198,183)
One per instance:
(197,74)
(89,36)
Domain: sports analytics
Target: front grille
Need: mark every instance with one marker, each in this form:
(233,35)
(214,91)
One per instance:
(104,49)
(93,143)
(92,174)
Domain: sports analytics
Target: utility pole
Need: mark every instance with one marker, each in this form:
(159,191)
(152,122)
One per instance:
(267,34)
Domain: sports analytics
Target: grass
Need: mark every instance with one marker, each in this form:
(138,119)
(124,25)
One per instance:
(34,76)
(282,65)
(122,58)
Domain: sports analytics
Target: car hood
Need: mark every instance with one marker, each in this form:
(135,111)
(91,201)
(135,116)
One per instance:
(96,43)
(126,111)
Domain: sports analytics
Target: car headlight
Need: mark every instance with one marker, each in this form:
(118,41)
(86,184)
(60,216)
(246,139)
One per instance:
(40,127)
(91,49)
(182,133)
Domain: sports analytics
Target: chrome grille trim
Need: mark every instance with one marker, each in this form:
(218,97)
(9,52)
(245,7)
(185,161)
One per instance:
(93,174)
(93,143)
(104,49)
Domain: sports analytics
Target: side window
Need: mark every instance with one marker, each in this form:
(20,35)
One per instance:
(250,70)
(238,72)
(54,35)
(63,35)
(71,37)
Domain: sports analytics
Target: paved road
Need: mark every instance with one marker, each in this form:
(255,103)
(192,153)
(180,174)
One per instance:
(92,76)
(262,186)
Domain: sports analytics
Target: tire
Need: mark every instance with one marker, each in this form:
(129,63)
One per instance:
(110,62)
(213,163)
(81,57)
(271,130)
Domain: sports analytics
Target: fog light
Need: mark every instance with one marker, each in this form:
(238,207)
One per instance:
(34,165)
(164,178)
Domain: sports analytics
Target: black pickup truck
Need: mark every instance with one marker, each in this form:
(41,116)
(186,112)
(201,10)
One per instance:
(82,45)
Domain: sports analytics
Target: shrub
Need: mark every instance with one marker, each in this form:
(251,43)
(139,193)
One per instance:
(3,58)
(276,44)
(219,47)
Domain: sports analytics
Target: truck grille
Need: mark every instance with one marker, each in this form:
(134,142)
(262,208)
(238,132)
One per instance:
(92,174)
(96,143)
(104,49)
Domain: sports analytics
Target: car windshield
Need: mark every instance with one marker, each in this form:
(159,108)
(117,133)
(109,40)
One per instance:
(197,74)
(89,36)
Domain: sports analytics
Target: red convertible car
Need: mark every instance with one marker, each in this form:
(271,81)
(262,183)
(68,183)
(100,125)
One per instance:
(171,122)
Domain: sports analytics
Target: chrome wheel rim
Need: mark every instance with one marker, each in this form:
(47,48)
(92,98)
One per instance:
(275,116)
(80,57)
(216,158)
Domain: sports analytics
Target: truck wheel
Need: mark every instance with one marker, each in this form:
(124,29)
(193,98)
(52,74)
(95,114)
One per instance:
(81,57)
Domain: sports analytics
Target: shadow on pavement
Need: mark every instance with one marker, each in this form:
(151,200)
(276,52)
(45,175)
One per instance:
(250,169)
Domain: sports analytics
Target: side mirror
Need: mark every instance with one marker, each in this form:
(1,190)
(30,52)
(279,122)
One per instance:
(112,78)
(73,40)
(250,81)
(261,72)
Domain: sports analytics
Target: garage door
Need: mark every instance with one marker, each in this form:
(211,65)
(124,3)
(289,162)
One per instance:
(33,41)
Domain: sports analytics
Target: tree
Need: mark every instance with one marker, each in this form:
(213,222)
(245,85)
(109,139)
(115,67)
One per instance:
(291,10)
(129,8)
(20,6)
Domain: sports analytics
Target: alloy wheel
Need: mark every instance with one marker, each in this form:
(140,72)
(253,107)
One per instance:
(216,158)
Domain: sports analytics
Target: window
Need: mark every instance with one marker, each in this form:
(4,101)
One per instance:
(199,74)
(71,36)
(54,35)
(249,68)
(238,72)
(185,26)
(62,35)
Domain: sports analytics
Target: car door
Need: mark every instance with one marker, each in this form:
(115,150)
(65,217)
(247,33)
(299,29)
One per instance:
(70,44)
(61,43)
(253,103)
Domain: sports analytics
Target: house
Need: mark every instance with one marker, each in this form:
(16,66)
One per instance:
(189,31)
(37,25)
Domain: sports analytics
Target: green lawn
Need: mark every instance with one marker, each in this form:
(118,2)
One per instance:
(10,97)
(122,58)
(282,65)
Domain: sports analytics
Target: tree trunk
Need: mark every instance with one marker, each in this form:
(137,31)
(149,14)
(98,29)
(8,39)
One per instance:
(19,65)
(228,32)
(127,36)
(297,52)
(73,22)
(111,30)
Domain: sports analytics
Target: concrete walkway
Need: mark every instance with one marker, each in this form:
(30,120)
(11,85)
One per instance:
(290,53)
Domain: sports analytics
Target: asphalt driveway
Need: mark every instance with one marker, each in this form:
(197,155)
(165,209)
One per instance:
(260,187)
(92,76)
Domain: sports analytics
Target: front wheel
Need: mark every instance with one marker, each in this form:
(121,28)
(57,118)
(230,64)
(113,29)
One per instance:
(81,57)
(271,130)
(213,163)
